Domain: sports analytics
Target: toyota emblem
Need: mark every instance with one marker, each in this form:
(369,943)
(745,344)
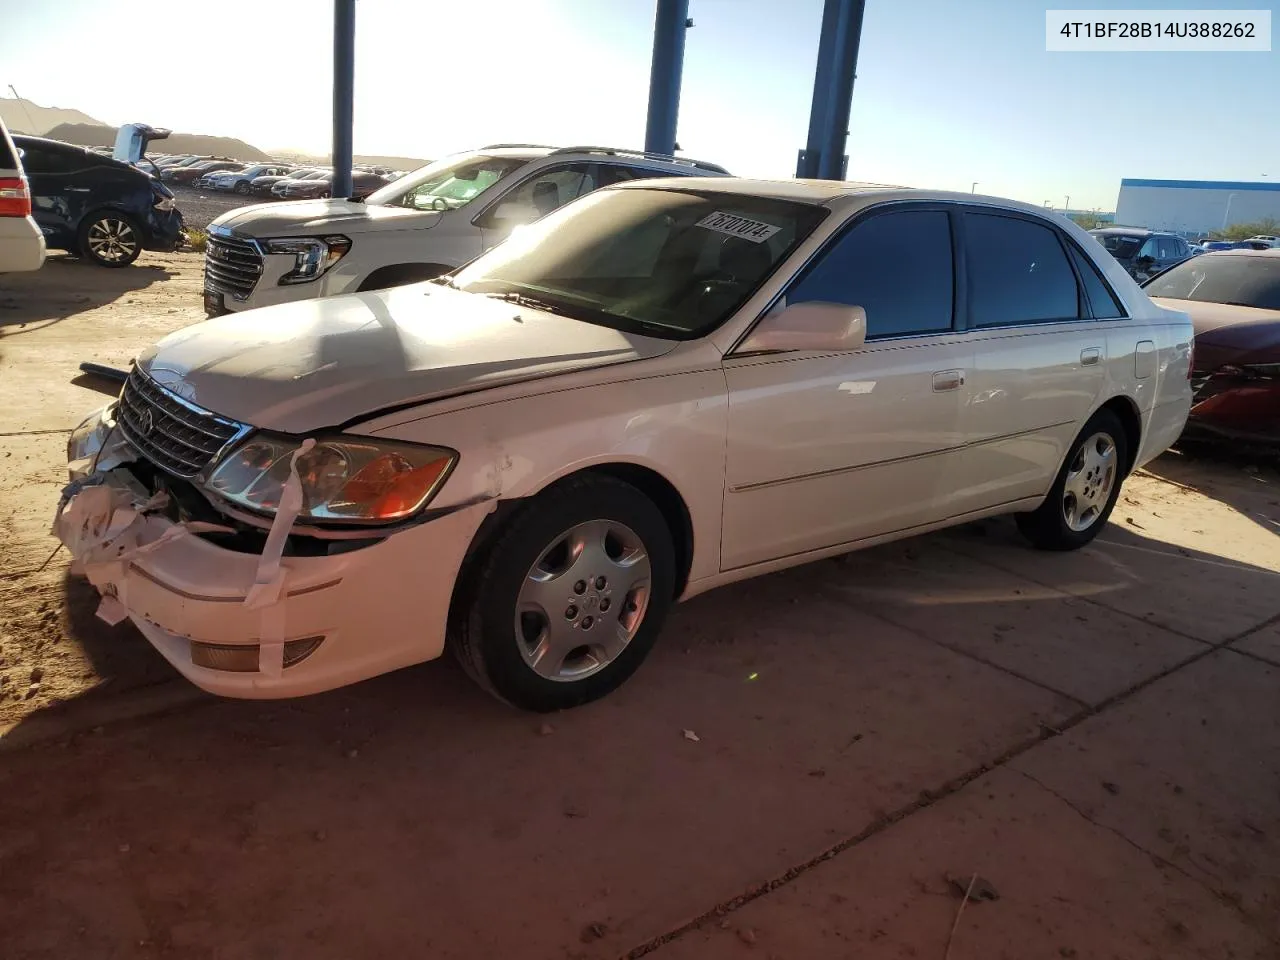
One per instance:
(145,423)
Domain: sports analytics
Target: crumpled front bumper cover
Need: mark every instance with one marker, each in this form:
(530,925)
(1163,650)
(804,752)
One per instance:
(372,610)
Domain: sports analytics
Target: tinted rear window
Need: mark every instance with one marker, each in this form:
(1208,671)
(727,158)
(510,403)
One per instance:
(7,160)
(1222,278)
(1119,245)
(1018,272)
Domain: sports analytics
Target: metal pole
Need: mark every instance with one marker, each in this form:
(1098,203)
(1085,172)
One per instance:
(824,154)
(669,29)
(344,69)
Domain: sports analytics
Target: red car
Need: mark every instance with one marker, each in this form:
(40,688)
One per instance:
(1233,297)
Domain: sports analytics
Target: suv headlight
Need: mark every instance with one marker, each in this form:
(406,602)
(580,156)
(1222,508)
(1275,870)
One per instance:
(312,255)
(344,479)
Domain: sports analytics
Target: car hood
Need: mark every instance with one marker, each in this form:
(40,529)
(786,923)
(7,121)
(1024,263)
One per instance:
(316,216)
(304,366)
(1226,333)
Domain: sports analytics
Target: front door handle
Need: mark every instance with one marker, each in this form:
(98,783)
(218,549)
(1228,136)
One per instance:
(945,380)
(1090,356)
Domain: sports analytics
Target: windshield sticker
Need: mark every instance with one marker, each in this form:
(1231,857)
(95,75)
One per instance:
(734,226)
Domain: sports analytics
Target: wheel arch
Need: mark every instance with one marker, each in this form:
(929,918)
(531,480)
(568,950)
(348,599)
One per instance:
(655,486)
(1130,418)
(395,274)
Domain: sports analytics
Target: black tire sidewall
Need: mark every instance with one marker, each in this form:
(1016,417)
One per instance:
(491,617)
(93,218)
(1047,526)
(242,188)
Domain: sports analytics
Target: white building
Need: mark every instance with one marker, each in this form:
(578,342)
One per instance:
(1194,207)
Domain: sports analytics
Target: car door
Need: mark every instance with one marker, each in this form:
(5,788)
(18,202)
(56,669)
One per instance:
(828,449)
(549,188)
(1040,354)
(58,200)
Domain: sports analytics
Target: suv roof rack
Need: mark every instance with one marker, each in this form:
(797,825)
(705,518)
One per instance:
(619,152)
(511,146)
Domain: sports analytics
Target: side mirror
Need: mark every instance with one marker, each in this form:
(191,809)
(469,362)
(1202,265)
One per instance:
(816,326)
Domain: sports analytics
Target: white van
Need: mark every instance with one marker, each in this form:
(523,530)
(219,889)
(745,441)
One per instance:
(420,226)
(21,242)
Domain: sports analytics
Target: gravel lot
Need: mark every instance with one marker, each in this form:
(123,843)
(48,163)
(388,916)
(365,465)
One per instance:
(200,207)
(1094,736)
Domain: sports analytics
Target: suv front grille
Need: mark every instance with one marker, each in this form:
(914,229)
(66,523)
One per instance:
(176,436)
(231,266)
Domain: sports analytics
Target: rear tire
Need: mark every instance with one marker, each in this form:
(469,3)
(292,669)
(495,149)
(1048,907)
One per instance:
(110,239)
(567,600)
(242,188)
(1085,491)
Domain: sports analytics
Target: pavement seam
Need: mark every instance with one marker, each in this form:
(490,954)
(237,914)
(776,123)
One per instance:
(929,797)
(1252,656)
(1220,895)
(1075,596)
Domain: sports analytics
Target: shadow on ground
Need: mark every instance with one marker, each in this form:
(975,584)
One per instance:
(63,287)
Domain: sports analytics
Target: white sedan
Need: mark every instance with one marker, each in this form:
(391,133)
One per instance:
(658,389)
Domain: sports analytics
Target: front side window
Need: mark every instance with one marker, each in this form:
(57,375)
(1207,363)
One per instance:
(1017,271)
(662,262)
(1242,281)
(446,184)
(1150,248)
(545,191)
(896,266)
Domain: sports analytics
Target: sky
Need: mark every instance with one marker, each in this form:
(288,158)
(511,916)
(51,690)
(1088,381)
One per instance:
(948,91)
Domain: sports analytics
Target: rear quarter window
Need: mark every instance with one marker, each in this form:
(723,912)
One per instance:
(8,160)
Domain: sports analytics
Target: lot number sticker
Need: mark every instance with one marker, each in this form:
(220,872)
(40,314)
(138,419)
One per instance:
(734,226)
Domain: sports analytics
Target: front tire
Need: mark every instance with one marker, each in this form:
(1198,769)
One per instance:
(242,188)
(566,602)
(1086,489)
(110,239)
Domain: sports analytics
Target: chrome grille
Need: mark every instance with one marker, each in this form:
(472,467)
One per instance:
(176,436)
(231,266)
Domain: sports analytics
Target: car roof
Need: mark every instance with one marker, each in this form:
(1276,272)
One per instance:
(830,193)
(535,151)
(1130,232)
(1274,252)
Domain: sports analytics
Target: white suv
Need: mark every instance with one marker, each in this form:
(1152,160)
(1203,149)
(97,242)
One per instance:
(21,242)
(419,227)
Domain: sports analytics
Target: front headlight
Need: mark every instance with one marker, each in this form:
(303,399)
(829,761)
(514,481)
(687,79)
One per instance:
(344,479)
(312,255)
(86,440)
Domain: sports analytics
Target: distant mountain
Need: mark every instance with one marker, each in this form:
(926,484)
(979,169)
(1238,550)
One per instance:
(23,116)
(97,135)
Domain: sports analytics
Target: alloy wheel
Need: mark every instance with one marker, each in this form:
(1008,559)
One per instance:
(112,240)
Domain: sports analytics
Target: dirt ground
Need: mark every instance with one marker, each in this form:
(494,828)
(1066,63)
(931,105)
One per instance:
(1091,740)
(199,207)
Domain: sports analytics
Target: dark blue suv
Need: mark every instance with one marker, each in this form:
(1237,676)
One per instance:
(102,209)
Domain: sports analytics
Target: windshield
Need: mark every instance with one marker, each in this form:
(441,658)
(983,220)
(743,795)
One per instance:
(1241,280)
(446,184)
(666,263)
(1118,245)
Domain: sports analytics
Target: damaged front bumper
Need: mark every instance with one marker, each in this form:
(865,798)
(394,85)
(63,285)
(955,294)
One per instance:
(245,624)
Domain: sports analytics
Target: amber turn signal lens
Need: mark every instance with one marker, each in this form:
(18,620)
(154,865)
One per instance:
(393,486)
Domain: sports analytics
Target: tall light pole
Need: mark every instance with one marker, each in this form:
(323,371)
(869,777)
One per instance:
(974,186)
(1067,206)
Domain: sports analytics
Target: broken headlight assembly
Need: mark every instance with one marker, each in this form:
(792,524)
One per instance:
(344,479)
(312,256)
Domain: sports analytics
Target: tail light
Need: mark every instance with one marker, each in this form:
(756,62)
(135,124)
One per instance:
(164,198)
(15,198)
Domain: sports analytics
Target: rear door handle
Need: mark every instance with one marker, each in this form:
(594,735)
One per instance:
(944,380)
(1090,356)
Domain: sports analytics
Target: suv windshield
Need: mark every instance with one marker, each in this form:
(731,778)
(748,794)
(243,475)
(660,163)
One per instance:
(1119,245)
(1223,278)
(667,263)
(446,184)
